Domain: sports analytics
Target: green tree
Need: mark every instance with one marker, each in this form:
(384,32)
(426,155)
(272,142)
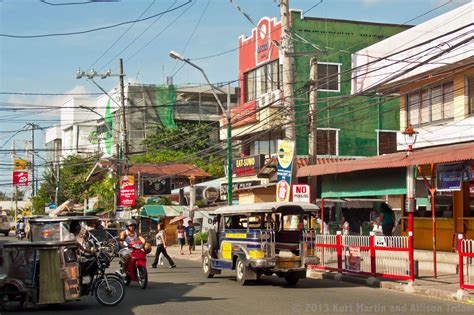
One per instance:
(186,144)
(72,182)
(104,191)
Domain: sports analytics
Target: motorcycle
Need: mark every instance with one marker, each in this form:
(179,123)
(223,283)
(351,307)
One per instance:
(136,267)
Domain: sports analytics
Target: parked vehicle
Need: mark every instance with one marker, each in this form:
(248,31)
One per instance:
(47,269)
(136,268)
(4,224)
(261,239)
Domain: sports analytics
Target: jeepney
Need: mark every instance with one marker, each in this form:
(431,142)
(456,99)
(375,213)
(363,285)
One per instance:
(48,269)
(261,239)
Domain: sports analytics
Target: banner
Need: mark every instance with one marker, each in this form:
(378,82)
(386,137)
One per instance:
(285,162)
(449,177)
(127,191)
(20,178)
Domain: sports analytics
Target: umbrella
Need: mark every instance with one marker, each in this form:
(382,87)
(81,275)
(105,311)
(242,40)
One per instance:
(178,218)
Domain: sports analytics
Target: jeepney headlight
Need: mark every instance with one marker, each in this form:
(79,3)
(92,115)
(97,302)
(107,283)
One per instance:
(70,255)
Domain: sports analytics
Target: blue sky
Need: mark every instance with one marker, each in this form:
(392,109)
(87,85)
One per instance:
(48,65)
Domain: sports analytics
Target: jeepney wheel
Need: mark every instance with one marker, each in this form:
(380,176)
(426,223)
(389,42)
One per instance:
(12,299)
(213,244)
(291,278)
(206,266)
(241,272)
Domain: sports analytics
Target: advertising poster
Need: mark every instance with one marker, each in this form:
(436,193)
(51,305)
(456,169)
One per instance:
(127,191)
(20,178)
(353,258)
(284,172)
(449,177)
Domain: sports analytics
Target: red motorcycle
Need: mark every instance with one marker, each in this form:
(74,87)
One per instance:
(136,268)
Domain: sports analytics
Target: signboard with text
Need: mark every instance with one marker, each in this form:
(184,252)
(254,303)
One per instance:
(301,193)
(285,163)
(127,191)
(246,166)
(20,178)
(449,177)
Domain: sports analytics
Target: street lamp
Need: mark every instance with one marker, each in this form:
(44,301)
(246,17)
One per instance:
(173,54)
(410,138)
(410,205)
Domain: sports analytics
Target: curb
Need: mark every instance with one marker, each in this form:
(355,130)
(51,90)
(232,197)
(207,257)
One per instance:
(459,296)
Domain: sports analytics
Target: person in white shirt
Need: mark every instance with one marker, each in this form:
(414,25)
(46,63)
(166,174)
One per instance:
(161,247)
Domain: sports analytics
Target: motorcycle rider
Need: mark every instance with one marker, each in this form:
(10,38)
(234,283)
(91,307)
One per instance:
(128,236)
(20,228)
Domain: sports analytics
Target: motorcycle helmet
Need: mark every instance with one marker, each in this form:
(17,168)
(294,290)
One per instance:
(131,222)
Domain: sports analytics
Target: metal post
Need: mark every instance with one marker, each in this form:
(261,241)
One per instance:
(433,218)
(461,261)
(373,267)
(322,216)
(339,251)
(33,189)
(287,70)
(229,149)
(313,134)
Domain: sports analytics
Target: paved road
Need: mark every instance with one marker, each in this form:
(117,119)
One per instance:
(184,290)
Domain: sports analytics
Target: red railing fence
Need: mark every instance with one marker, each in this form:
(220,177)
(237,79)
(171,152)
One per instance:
(466,263)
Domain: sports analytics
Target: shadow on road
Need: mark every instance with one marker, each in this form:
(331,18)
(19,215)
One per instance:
(155,294)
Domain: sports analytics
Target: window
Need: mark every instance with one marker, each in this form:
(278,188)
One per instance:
(470,95)
(262,80)
(327,142)
(328,77)
(387,142)
(430,105)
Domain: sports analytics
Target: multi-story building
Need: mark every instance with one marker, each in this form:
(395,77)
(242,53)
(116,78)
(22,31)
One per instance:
(343,129)
(93,125)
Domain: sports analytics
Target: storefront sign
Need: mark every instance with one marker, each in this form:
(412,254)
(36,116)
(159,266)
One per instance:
(243,114)
(239,185)
(127,191)
(301,193)
(20,178)
(210,194)
(284,171)
(246,166)
(449,177)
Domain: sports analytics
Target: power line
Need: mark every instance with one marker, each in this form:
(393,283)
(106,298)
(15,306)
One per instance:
(98,28)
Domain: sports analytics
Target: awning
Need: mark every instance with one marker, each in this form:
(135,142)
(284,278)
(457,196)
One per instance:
(162,211)
(443,154)
(369,183)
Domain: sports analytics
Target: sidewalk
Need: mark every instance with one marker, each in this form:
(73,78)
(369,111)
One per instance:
(446,286)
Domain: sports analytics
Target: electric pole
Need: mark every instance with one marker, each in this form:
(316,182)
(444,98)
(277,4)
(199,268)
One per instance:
(34,182)
(313,134)
(287,74)
(122,102)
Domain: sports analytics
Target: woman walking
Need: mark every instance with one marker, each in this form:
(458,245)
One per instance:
(161,247)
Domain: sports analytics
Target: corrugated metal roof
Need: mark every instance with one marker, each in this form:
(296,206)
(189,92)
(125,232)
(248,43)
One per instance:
(177,169)
(437,155)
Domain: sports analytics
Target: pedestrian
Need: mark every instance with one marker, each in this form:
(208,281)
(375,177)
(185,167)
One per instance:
(386,219)
(181,233)
(161,247)
(190,229)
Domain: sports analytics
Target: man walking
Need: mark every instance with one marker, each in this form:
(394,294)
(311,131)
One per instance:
(161,247)
(190,229)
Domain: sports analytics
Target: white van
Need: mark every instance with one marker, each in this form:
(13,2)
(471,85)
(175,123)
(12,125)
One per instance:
(4,224)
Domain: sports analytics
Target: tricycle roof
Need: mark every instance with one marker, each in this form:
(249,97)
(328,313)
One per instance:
(266,207)
(62,219)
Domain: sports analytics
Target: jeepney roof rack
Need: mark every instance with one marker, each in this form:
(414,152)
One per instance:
(265,207)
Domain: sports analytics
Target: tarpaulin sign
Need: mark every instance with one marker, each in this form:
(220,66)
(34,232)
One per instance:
(284,171)
(127,191)
(20,178)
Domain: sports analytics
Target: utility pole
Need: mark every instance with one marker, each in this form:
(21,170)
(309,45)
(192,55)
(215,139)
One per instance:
(287,74)
(313,134)
(34,182)
(122,101)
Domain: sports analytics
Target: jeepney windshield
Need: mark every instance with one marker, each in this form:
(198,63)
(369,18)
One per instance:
(291,222)
(51,232)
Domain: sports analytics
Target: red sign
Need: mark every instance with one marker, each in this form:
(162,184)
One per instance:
(127,191)
(242,115)
(20,178)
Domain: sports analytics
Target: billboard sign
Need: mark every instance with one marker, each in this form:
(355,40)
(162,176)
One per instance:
(20,164)
(285,163)
(127,191)
(449,177)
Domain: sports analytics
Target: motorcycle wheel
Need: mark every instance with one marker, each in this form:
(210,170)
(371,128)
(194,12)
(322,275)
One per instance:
(111,295)
(142,276)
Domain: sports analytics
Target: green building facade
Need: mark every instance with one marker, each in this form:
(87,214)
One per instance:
(353,120)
